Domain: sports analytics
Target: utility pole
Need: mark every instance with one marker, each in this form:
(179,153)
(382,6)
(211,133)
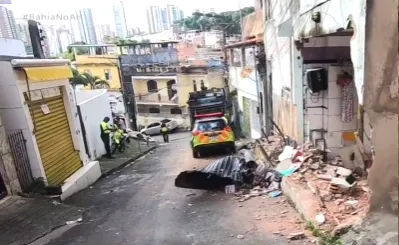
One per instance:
(128,95)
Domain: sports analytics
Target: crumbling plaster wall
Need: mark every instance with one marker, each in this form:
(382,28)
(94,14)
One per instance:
(381,98)
(7,167)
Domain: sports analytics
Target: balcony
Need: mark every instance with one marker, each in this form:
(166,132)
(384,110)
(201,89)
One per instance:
(156,98)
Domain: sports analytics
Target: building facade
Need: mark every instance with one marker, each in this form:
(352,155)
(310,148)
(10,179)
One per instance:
(120,20)
(154,18)
(86,26)
(341,41)
(58,160)
(100,61)
(8,27)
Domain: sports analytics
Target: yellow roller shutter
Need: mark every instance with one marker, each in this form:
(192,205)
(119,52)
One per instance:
(59,157)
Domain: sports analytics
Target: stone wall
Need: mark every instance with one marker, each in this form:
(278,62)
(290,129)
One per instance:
(7,167)
(381,98)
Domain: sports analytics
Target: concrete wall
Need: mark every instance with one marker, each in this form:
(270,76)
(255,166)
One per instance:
(94,106)
(14,116)
(7,168)
(12,47)
(381,97)
(247,91)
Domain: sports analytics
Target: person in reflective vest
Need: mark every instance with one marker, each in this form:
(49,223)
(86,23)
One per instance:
(117,138)
(165,133)
(105,135)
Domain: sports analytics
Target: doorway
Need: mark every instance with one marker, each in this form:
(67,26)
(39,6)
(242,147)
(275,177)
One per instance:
(3,189)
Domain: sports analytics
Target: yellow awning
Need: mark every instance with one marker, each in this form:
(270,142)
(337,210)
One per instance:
(49,73)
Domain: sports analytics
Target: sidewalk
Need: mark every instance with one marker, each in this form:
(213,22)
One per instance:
(24,220)
(134,150)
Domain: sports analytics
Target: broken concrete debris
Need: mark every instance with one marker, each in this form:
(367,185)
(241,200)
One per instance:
(335,187)
(296,236)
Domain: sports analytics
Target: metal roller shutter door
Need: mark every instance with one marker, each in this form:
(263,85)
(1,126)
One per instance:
(59,157)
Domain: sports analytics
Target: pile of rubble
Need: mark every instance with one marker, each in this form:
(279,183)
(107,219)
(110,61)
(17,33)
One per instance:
(342,193)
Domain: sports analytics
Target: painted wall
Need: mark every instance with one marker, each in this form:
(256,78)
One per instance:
(99,70)
(94,106)
(16,115)
(140,88)
(246,88)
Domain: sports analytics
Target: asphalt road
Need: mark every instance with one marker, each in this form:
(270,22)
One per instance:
(140,205)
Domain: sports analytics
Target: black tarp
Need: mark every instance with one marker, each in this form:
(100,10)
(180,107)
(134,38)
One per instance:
(229,170)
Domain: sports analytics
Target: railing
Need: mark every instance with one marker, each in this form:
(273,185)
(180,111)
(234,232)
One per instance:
(155,98)
(21,160)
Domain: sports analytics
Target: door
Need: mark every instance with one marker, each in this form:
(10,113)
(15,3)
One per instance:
(53,136)
(3,190)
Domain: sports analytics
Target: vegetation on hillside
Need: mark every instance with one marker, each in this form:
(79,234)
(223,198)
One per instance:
(229,21)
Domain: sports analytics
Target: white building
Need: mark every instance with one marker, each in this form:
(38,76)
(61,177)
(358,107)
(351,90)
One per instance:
(120,20)
(154,18)
(55,146)
(86,26)
(7,24)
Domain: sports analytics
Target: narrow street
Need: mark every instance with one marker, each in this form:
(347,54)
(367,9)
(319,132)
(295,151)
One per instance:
(141,205)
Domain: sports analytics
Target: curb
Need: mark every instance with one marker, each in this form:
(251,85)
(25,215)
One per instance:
(302,199)
(107,173)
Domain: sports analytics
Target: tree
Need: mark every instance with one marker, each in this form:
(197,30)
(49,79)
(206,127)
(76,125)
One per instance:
(77,79)
(95,82)
(229,21)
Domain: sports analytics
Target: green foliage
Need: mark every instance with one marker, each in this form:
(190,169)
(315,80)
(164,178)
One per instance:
(229,21)
(87,79)
(118,41)
(79,50)
(324,238)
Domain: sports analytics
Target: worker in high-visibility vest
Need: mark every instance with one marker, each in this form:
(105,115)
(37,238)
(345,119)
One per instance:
(106,130)
(165,133)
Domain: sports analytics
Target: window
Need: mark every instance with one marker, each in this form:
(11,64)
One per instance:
(107,74)
(152,86)
(154,110)
(211,125)
(171,89)
(176,111)
(152,125)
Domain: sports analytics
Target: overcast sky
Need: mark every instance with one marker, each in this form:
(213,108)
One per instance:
(135,9)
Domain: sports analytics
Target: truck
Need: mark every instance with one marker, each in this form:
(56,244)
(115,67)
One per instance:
(207,101)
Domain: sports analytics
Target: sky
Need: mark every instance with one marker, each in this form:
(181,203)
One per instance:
(135,10)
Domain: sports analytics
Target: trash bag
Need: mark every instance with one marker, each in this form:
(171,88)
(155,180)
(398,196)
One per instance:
(229,170)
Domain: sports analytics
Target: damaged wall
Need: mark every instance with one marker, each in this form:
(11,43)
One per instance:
(381,97)
(7,168)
